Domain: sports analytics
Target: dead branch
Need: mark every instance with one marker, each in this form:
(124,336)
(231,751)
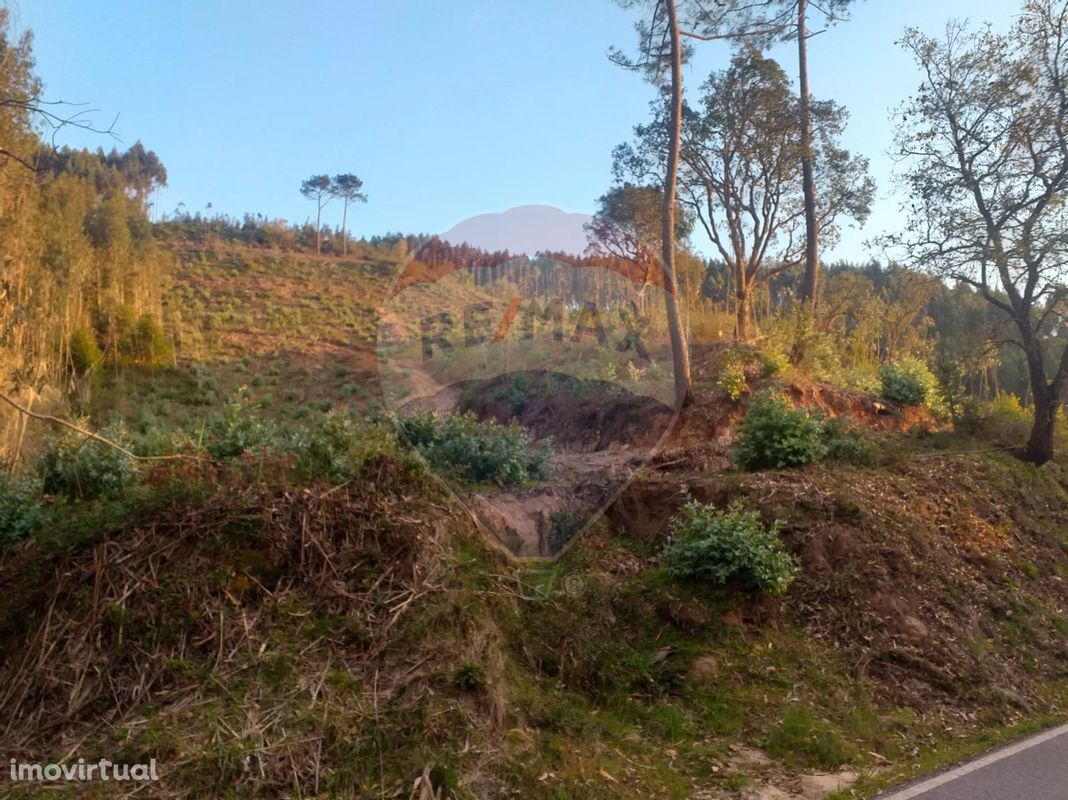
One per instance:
(95,436)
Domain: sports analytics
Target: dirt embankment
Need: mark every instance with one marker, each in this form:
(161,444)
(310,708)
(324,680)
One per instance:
(602,433)
(946,580)
(269,639)
(579,415)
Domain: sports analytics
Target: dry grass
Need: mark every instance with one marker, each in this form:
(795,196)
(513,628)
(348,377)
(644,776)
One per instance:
(258,639)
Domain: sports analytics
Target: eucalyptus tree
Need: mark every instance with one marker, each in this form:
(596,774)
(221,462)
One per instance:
(985,140)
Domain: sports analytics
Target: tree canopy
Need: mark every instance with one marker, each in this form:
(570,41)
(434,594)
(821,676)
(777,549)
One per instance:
(986,143)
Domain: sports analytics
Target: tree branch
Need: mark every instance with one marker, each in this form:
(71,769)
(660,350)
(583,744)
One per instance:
(95,436)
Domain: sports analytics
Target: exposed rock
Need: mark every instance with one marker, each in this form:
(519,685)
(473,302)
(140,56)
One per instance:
(914,627)
(663,654)
(704,671)
(815,787)
(688,615)
(766,793)
(742,757)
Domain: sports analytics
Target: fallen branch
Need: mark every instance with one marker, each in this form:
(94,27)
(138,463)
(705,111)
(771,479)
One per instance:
(966,452)
(95,436)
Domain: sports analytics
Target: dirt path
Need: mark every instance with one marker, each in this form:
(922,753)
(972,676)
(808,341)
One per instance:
(429,395)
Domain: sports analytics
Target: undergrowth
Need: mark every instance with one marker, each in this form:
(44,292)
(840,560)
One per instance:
(773,436)
(728,546)
(480,452)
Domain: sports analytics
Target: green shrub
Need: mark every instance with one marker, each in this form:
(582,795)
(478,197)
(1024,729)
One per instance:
(207,386)
(861,379)
(81,468)
(1006,406)
(154,438)
(147,346)
(731,379)
(774,436)
(908,382)
(338,448)
(846,444)
(469,677)
(138,340)
(816,352)
(21,512)
(728,546)
(772,362)
(238,428)
(477,451)
(960,404)
(84,350)
(1003,419)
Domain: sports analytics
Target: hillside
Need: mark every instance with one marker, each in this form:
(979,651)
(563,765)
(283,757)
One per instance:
(295,329)
(310,613)
(744,478)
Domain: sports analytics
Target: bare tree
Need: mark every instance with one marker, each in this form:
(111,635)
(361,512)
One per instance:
(22,99)
(52,115)
(986,143)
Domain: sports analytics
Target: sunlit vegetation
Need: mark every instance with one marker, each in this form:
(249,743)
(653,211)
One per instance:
(222,540)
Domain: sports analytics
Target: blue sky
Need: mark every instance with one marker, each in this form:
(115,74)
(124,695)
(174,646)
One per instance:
(445,109)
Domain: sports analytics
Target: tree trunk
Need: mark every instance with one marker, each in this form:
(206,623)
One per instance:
(344,232)
(318,228)
(1040,444)
(742,317)
(810,286)
(1046,396)
(743,306)
(680,353)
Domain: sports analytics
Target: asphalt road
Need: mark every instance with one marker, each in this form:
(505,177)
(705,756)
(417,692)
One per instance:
(1033,769)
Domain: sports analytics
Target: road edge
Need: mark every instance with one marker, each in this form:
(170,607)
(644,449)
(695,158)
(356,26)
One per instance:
(923,785)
